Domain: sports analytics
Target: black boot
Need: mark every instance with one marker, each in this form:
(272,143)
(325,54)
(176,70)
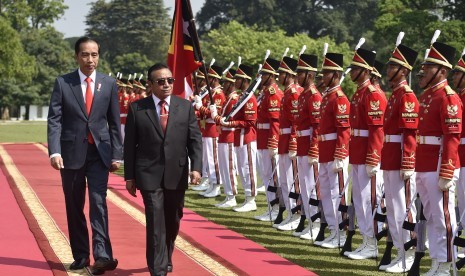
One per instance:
(348,244)
(301,225)
(279,218)
(415,270)
(460,263)
(321,233)
(387,254)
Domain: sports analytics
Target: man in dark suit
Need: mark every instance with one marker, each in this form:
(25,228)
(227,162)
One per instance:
(161,134)
(84,142)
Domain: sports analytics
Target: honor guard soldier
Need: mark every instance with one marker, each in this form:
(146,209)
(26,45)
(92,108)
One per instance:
(210,134)
(245,139)
(267,138)
(398,155)
(123,104)
(287,145)
(437,160)
(333,147)
(226,153)
(366,120)
(307,121)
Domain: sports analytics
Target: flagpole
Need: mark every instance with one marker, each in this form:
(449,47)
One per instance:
(196,42)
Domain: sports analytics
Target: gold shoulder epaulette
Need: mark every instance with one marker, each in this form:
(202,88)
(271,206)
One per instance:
(408,89)
(449,91)
(272,90)
(340,93)
(371,88)
(313,90)
(293,90)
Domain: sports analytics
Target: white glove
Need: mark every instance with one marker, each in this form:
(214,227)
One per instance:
(213,111)
(273,152)
(223,122)
(338,165)
(197,102)
(406,174)
(445,184)
(372,170)
(293,154)
(312,160)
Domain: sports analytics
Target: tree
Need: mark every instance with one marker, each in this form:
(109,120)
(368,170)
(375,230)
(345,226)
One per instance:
(130,27)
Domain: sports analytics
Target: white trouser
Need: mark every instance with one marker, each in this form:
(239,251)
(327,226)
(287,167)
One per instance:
(265,168)
(286,178)
(246,164)
(439,210)
(204,158)
(122,132)
(226,158)
(396,192)
(210,146)
(461,193)
(331,183)
(307,185)
(366,195)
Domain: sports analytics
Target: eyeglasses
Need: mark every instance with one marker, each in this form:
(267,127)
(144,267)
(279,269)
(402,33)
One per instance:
(162,82)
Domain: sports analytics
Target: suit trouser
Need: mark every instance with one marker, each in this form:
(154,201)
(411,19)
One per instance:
(439,210)
(122,132)
(226,158)
(163,213)
(210,147)
(286,180)
(331,184)
(399,196)
(307,185)
(461,194)
(366,193)
(266,167)
(246,164)
(74,188)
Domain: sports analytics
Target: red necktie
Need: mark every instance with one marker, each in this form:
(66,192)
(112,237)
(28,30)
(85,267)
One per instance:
(89,99)
(163,115)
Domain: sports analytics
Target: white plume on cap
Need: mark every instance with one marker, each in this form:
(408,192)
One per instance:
(463,52)
(302,50)
(325,48)
(121,75)
(435,36)
(239,61)
(140,77)
(212,62)
(109,74)
(285,52)
(229,67)
(135,76)
(130,76)
(399,38)
(117,75)
(426,53)
(360,43)
(259,67)
(291,56)
(267,54)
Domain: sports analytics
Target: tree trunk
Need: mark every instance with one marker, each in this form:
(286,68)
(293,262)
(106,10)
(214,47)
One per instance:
(5,113)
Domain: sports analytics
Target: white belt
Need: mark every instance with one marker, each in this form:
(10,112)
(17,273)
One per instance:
(227,129)
(263,126)
(210,121)
(123,115)
(429,140)
(462,141)
(327,137)
(285,130)
(306,132)
(393,138)
(359,132)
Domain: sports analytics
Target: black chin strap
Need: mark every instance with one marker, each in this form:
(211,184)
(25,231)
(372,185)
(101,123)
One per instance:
(397,72)
(285,79)
(433,77)
(242,84)
(305,79)
(359,74)
(331,80)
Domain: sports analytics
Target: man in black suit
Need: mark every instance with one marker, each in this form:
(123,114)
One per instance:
(161,134)
(84,142)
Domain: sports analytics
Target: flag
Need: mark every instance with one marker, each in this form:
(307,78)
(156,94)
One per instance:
(181,55)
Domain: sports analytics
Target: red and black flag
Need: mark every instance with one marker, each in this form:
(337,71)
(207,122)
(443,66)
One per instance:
(181,55)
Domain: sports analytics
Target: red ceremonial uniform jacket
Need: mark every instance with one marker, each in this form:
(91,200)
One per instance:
(440,116)
(462,147)
(244,122)
(335,111)
(367,114)
(308,118)
(268,113)
(288,113)
(401,118)
(227,134)
(210,129)
(123,107)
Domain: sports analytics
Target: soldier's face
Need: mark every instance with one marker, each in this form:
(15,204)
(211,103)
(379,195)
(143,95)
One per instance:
(301,76)
(164,90)
(355,72)
(265,78)
(87,58)
(429,75)
(327,78)
(458,78)
(281,77)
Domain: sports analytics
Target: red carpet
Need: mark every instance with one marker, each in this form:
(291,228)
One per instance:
(227,247)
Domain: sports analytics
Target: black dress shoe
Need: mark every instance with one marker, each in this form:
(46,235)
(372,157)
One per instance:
(79,264)
(102,265)
(169,268)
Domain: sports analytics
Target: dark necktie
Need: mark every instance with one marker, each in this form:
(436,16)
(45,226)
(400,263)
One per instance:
(89,99)
(163,115)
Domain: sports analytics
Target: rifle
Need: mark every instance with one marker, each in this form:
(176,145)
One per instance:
(248,93)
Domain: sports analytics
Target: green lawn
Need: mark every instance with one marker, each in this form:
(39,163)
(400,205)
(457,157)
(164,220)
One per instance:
(321,261)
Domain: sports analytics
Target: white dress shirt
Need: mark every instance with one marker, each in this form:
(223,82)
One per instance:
(84,83)
(158,107)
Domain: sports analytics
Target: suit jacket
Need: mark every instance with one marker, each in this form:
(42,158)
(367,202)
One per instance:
(68,121)
(157,160)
